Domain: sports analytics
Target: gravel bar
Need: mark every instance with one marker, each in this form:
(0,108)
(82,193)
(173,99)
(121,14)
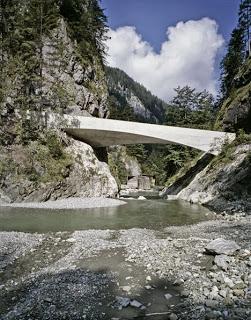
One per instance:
(69,203)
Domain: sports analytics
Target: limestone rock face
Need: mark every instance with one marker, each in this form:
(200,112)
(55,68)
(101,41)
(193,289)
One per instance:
(138,107)
(118,157)
(235,113)
(66,76)
(223,186)
(131,97)
(238,114)
(132,166)
(86,177)
(89,177)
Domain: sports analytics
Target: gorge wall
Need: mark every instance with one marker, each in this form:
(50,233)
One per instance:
(59,70)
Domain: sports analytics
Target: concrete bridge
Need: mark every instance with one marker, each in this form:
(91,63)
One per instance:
(105,132)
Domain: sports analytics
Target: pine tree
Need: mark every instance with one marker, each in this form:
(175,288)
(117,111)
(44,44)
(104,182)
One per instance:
(237,48)
(245,23)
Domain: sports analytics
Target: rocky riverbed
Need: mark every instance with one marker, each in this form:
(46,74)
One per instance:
(129,274)
(69,203)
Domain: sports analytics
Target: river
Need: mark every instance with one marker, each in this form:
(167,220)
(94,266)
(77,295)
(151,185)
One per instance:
(150,214)
(90,263)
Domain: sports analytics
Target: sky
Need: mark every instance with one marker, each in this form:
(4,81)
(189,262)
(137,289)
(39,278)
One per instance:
(168,43)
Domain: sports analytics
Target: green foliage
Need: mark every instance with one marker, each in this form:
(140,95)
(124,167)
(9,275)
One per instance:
(237,49)
(53,168)
(232,61)
(7,165)
(121,86)
(27,131)
(161,161)
(54,145)
(87,24)
(192,109)
(119,108)
(117,167)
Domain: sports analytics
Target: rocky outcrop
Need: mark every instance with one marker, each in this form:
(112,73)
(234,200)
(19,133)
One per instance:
(67,81)
(225,184)
(122,164)
(138,107)
(128,97)
(83,176)
(184,180)
(235,113)
(69,78)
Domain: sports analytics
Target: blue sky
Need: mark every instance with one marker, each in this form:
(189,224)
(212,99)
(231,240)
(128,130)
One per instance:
(151,19)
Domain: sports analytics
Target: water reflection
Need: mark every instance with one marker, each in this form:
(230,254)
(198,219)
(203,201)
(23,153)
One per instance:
(154,214)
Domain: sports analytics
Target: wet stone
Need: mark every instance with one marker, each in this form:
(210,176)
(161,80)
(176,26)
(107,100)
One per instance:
(121,302)
(135,304)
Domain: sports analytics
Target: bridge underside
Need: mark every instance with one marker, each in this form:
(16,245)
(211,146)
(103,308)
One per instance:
(102,138)
(105,132)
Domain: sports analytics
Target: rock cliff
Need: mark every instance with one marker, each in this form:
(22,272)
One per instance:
(132,101)
(236,110)
(225,184)
(54,67)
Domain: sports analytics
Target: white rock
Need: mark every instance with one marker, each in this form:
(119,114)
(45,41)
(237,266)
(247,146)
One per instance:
(168,296)
(222,246)
(135,304)
(141,198)
(148,278)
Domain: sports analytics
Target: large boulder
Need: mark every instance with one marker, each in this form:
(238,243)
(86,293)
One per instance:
(222,247)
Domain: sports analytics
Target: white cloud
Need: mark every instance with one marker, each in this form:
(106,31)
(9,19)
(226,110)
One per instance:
(187,57)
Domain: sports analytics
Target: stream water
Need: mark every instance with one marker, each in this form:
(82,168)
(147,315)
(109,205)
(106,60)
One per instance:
(48,296)
(151,214)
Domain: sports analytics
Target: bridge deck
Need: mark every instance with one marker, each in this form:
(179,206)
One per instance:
(105,132)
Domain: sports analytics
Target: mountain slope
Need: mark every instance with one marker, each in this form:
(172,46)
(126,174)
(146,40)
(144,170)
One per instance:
(130,99)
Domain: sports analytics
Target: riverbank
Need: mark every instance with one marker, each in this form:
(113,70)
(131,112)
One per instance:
(68,203)
(78,275)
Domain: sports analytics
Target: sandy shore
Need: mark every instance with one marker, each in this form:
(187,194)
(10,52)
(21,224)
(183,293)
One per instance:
(69,203)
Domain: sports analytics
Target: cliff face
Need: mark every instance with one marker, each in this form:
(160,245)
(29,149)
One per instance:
(82,85)
(130,100)
(225,184)
(56,74)
(236,110)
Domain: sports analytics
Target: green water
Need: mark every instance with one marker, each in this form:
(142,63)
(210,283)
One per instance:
(151,214)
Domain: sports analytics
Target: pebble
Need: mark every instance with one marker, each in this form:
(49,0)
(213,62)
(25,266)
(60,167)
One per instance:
(173,316)
(126,288)
(135,304)
(148,287)
(211,303)
(184,293)
(168,296)
(178,282)
(148,278)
